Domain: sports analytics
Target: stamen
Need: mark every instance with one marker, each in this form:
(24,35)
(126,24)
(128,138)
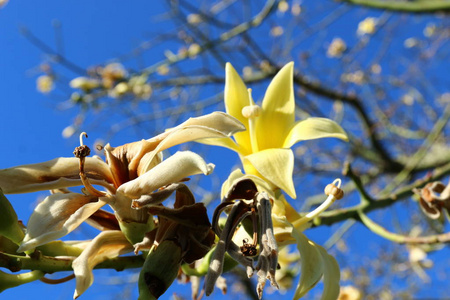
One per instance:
(334,193)
(251,112)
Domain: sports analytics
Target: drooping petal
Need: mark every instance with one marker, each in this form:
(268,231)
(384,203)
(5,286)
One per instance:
(108,244)
(56,216)
(173,169)
(275,165)
(331,275)
(314,128)
(178,136)
(236,98)
(56,173)
(312,264)
(278,110)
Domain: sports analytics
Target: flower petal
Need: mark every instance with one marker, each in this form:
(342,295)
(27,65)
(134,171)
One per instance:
(278,110)
(222,142)
(53,174)
(173,169)
(108,244)
(56,216)
(331,275)
(312,264)
(228,124)
(236,98)
(275,165)
(178,136)
(314,128)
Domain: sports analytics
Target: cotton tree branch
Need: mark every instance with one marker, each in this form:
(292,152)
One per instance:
(418,6)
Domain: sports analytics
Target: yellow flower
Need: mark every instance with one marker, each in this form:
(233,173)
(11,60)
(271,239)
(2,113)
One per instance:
(336,48)
(271,129)
(44,84)
(367,26)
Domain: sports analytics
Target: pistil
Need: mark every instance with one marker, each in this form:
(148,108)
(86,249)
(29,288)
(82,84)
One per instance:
(81,152)
(334,192)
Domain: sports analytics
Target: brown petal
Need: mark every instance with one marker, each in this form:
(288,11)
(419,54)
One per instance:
(54,174)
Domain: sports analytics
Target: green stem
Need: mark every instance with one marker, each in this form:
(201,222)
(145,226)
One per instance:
(49,264)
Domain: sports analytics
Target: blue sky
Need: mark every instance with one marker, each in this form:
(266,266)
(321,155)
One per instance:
(30,127)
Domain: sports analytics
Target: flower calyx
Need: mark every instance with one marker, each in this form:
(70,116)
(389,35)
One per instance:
(255,207)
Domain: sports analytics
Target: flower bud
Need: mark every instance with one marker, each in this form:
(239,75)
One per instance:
(160,270)
(9,224)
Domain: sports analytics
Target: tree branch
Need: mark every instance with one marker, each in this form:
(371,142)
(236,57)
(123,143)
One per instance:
(418,6)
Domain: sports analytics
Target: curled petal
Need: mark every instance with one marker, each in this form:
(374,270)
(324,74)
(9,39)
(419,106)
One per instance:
(275,165)
(225,123)
(56,216)
(173,169)
(278,110)
(177,136)
(54,174)
(108,244)
(237,175)
(314,128)
(430,210)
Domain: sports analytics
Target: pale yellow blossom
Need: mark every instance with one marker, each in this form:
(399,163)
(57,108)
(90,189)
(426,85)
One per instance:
(44,84)
(349,292)
(367,26)
(336,48)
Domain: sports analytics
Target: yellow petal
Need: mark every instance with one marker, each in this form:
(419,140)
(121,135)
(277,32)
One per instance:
(236,98)
(312,264)
(53,174)
(180,165)
(275,165)
(278,110)
(281,207)
(56,216)
(222,142)
(331,275)
(108,244)
(314,128)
